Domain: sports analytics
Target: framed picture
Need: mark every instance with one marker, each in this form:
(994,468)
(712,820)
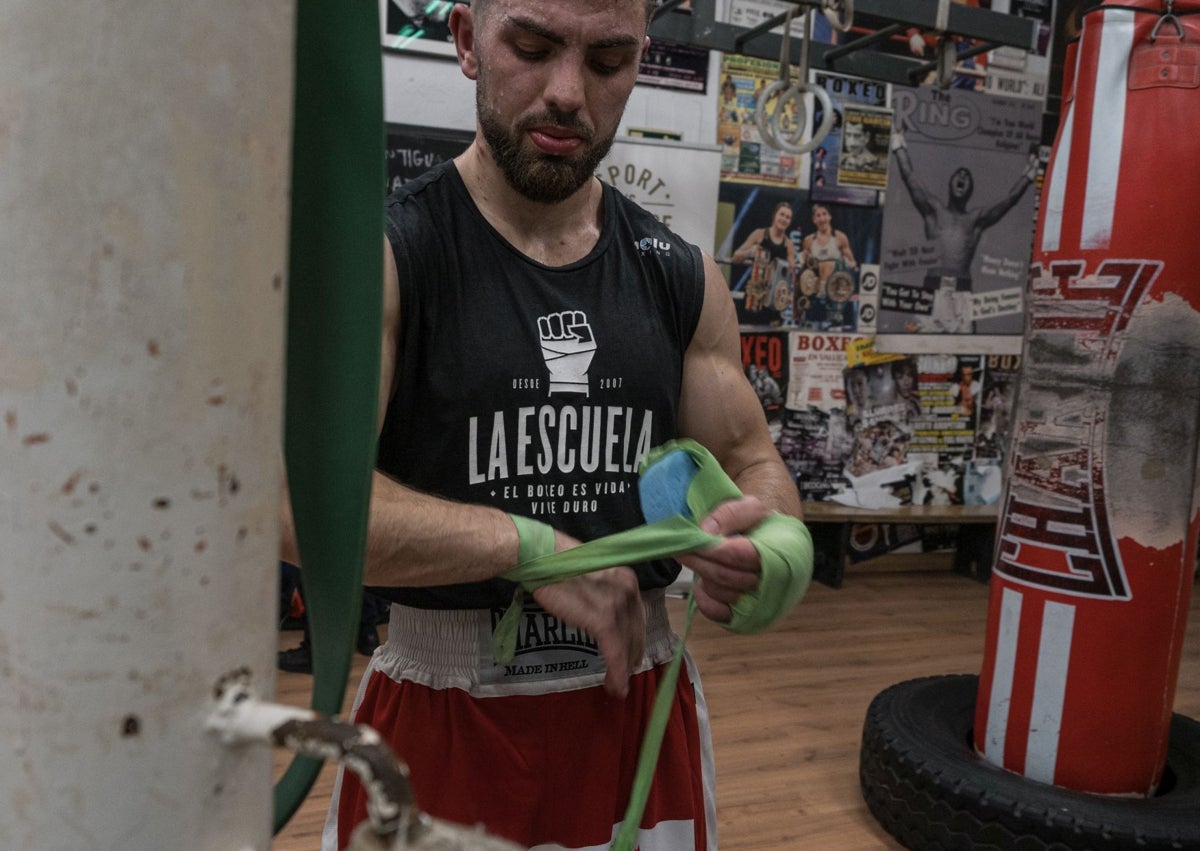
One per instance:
(417,26)
(411,150)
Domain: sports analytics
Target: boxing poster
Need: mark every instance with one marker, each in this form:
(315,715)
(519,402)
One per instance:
(417,26)
(865,139)
(815,436)
(943,434)
(983,476)
(745,155)
(958,223)
(796,263)
(410,150)
(765,362)
(849,94)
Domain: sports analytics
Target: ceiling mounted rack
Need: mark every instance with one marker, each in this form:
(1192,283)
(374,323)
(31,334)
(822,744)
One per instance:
(989,29)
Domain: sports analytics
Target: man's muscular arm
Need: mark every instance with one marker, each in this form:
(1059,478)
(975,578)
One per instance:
(998,211)
(916,190)
(720,411)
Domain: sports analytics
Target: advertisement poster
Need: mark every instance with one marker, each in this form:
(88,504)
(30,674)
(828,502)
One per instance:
(792,263)
(746,157)
(410,151)
(417,26)
(751,13)
(675,66)
(958,223)
(1019,73)
(865,138)
(815,439)
(676,181)
(943,436)
(765,361)
(826,170)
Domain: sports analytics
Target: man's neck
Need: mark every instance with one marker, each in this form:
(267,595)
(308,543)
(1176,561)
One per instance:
(554,234)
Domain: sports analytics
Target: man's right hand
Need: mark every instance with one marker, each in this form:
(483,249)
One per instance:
(608,605)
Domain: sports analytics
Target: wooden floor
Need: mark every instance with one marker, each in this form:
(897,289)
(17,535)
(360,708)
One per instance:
(787,707)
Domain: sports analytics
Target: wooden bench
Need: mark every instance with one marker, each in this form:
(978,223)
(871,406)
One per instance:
(830,524)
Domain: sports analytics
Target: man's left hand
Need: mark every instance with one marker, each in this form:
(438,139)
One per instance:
(728,570)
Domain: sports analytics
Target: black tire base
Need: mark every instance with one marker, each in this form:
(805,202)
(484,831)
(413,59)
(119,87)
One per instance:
(926,786)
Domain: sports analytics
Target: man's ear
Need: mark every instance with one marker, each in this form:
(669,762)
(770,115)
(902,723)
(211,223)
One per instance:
(462,27)
(645,48)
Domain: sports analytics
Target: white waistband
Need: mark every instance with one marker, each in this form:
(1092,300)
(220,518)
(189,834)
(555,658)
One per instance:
(452,648)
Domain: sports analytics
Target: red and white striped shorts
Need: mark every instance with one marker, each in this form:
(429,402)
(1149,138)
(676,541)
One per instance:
(535,750)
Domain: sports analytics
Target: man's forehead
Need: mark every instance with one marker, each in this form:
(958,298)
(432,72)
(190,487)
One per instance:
(571,16)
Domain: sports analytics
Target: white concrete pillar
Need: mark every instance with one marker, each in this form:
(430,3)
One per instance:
(144,170)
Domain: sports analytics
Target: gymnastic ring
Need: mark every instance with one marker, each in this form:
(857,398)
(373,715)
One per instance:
(831,7)
(822,131)
(790,142)
(760,113)
(946,60)
(779,139)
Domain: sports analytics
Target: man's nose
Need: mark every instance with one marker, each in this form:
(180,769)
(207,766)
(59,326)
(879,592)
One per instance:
(566,85)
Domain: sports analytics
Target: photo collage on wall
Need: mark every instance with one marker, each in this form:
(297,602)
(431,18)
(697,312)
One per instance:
(799,234)
(928,429)
(911,216)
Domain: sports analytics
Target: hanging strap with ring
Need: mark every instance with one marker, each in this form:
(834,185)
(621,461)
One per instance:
(946,57)
(768,125)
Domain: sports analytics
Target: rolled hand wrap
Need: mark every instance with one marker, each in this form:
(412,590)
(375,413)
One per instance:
(679,484)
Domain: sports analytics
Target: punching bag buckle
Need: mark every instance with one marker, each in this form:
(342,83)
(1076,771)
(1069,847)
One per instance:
(1167,15)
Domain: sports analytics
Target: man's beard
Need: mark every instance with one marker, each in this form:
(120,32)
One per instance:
(537,176)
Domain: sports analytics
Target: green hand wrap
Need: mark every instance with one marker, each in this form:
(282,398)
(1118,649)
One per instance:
(535,538)
(676,495)
(785,551)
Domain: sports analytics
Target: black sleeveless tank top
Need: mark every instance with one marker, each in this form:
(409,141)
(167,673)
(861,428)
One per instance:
(531,388)
(777,250)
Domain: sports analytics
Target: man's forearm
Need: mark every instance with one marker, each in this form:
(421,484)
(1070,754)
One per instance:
(769,480)
(414,539)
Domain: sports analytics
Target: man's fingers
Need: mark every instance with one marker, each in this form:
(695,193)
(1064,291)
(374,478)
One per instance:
(713,609)
(735,515)
(734,564)
(609,607)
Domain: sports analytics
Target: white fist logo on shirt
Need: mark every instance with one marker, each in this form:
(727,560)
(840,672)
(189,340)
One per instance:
(568,348)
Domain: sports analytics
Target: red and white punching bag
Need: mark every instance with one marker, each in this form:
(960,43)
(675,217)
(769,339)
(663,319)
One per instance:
(1097,539)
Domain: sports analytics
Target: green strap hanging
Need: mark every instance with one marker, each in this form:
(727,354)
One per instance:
(334,335)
